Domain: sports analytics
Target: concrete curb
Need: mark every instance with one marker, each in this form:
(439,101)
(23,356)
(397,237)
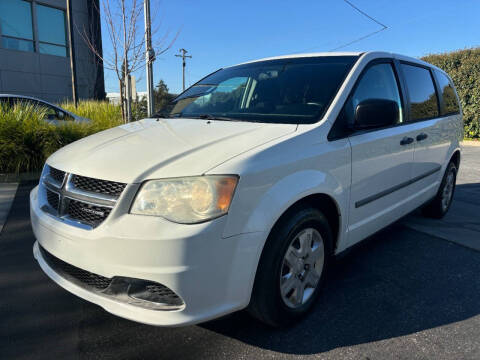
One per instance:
(470,143)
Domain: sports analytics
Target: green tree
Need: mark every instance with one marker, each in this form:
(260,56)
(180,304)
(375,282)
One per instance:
(162,96)
(464,68)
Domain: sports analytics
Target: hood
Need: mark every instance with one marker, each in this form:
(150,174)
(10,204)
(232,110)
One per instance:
(151,148)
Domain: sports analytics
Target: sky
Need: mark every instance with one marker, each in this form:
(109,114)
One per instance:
(222,33)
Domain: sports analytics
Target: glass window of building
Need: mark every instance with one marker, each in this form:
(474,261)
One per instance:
(51,31)
(16,28)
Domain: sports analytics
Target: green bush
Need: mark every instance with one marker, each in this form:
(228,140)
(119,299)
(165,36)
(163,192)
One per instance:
(103,114)
(464,68)
(26,139)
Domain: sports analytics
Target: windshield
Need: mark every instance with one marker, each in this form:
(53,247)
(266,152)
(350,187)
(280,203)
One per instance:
(292,90)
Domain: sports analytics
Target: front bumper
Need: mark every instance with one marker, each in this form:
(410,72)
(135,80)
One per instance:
(211,274)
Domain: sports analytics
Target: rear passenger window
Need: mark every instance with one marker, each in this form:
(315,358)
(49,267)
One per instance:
(450,102)
(423,98)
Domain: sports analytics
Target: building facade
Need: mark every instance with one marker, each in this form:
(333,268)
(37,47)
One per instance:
(34,49)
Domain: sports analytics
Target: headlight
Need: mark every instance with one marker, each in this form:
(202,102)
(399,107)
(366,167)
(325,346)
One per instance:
(186,200)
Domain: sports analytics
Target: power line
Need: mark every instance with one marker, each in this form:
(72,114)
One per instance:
(384,27)
(357,40)
(365,14)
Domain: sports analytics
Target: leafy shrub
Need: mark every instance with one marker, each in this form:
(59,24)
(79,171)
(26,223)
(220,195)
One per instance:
(464,68)
(103,115)
(26,139)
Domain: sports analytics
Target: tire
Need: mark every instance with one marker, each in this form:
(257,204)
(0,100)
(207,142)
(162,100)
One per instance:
(299,225)
(438,207)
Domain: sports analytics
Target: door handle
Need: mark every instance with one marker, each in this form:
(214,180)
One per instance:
(406,140)
(422,136)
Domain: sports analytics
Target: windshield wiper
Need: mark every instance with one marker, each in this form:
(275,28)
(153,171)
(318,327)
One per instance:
(161,115)
(213,117)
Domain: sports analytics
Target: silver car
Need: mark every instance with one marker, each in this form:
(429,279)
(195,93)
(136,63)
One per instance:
(54,114)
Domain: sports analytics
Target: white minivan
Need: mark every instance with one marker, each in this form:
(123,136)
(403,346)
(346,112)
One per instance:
(240,194)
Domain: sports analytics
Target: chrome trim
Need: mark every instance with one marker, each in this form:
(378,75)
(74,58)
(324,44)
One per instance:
(51,187)
(51,181)
(70,197)
(66,192)
(66,219)
(87,196)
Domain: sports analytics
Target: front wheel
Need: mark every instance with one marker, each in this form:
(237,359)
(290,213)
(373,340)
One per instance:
(292,267)
(438,207)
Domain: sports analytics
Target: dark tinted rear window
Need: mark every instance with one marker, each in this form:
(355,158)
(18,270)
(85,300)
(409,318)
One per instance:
(450,102)
(423,98)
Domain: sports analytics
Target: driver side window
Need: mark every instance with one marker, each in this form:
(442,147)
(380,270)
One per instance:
(378,82)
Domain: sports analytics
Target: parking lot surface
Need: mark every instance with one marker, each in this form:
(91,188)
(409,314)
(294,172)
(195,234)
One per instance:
(412,291)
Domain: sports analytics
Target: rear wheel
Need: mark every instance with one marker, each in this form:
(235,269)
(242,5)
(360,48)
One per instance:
(292,267)
(439,205)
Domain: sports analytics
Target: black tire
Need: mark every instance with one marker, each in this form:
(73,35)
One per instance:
(436,208)
(266,303)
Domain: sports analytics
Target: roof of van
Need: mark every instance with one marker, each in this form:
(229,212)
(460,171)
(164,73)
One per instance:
(315,54)
(349,53)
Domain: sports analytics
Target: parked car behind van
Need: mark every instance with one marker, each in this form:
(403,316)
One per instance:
(54,114)
(241,195)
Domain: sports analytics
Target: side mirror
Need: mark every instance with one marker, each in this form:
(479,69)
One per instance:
(374,113)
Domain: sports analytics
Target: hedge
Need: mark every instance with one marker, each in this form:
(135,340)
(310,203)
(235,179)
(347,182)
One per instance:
(464,68)
(26,139)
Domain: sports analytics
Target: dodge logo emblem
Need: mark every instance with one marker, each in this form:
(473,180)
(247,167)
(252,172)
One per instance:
(93,212)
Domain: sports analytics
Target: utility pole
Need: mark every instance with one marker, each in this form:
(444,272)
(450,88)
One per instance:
(183,56)
(126,74)
(72,53)
(149,57)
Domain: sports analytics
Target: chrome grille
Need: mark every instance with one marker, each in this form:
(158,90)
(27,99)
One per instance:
(79,200)
(98,186)
(53,199)
(57,175)
(87,213)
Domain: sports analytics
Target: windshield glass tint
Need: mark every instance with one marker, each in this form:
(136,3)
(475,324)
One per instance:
(294,91)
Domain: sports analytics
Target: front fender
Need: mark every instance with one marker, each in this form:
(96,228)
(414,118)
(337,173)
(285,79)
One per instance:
(287,192)
(273,202)
(258,211)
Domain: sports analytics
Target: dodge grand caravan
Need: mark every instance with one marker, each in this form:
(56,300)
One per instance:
(242,192)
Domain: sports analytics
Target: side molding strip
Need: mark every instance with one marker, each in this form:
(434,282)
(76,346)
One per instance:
(395,188)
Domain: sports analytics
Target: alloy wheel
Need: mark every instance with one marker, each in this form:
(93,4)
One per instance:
(447,192)
(302,267)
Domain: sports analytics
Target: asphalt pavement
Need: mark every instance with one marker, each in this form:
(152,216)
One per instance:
(7,194)
(409,292)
